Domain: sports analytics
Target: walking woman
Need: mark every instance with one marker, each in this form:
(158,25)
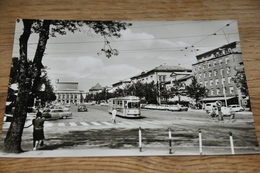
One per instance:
(38,134)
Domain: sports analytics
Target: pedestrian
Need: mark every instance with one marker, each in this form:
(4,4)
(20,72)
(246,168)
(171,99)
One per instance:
(113,118)
(213,112)
(38,133)
(232,115)
(220,115)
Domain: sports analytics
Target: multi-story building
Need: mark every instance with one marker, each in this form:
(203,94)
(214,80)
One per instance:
(68,93)
(185,78)
(216,68)
(96,89)
(159,74)
(121,84)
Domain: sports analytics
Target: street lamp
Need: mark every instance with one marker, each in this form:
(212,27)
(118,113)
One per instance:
(224,93)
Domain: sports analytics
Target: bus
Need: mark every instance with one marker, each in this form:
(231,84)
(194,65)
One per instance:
(128,106)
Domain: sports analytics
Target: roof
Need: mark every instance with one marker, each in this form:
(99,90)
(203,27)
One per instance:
(96,87)
(216,98)
(185,77)
(169,68)
(164,68)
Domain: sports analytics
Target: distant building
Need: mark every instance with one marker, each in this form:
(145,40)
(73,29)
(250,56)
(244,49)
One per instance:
(121,84)
(214,69)
(185,78)
(159,74)
(68,93)
(96,89)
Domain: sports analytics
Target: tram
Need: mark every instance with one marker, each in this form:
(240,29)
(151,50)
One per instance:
(128,106)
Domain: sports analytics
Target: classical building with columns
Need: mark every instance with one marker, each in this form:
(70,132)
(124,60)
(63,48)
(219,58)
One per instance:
(68,93)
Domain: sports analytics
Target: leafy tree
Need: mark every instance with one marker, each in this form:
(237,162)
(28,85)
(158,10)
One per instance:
(195,90)
(46,94)
(165,93)
(151,92)
(177,89)
(29,72)
(240,81)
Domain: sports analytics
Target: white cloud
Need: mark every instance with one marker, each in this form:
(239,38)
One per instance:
(88,69)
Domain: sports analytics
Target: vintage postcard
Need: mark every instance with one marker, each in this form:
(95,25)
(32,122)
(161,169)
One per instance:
(127,88)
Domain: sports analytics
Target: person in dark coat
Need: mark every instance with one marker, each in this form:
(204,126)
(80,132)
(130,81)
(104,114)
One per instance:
(38,133)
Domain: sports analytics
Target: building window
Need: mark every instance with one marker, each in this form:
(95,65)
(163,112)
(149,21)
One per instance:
(226,60)
(229,80)
(228,70)
(223,81)
(161,78)
(212,92)
(214,63)
(220,62)
(231,90)
(209,65)
(221,72)
(205,75)
(206,83)
(215,73)
(218,91)
(216,81)
(210,73)
(211,83)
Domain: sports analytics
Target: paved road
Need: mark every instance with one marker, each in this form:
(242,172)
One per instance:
(94,129)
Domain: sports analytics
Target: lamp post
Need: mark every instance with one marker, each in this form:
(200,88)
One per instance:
(224,93)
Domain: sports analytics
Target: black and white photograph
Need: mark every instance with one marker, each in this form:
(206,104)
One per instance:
(127,88)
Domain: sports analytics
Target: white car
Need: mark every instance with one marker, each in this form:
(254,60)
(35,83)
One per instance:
(236,108)
(56,113)
(173,108)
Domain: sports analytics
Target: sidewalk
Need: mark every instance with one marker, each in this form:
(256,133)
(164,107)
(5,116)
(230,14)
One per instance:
(146,151)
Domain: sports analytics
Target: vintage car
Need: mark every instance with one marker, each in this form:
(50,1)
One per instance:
(177,108)
(82,108)
(236,108)
(173,108)
(8,117)
(56,113)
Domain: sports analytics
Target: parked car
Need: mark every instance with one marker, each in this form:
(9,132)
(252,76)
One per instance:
(150,106)
(209,106)
(183,108)
(103,104)
(82,108)
(177,108)
(8,117)
(56,113)
(162,107)
(236,108)
(173,108)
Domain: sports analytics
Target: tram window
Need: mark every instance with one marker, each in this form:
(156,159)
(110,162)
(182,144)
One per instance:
(133,105)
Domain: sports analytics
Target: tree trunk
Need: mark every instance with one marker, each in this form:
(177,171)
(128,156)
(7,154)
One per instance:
(43,37)
(12,143)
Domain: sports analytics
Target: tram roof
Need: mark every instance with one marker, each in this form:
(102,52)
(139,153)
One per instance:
(126,97)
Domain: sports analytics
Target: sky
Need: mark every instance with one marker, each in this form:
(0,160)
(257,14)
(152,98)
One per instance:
(142,46)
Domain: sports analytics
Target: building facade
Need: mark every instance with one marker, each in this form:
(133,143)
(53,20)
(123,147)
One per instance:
(216,68)
(160,74)
(68,93)
(96,89)
(120,85)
